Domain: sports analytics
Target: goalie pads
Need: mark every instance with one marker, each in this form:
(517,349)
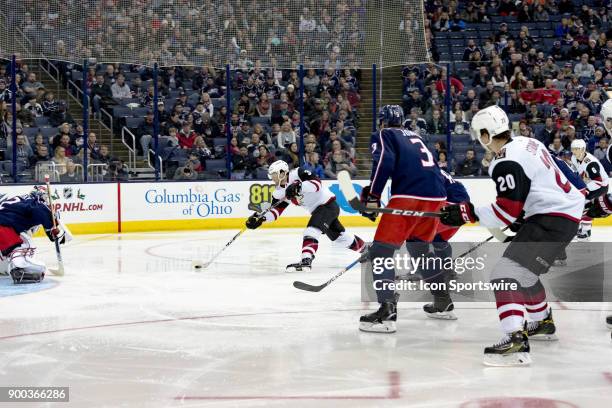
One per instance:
(23,267)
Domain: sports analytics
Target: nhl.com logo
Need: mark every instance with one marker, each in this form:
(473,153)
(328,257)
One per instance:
(71,201)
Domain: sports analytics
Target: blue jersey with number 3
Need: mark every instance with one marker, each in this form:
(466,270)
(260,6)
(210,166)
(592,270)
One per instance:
(22,213)
(401,155)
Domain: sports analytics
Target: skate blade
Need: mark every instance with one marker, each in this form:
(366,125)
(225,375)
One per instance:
(544,337)
(507,360)
(609,326)
(384,327)
(559,263)
(442,315)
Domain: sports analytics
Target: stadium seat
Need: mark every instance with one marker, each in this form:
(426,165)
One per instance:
(133,123)
(41,121)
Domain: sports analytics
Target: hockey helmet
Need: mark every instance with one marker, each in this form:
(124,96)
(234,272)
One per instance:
(606,115)
(391,115)
(39,193)
(491,121)
(277,168)
(578,148)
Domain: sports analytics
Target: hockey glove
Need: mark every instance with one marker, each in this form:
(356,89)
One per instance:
(293,190)
(459,214)
(600,208)
(57,234)
(254,221)
(369,200)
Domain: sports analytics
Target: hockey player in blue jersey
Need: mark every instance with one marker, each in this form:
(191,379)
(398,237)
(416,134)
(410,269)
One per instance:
(18,216)
(416,184)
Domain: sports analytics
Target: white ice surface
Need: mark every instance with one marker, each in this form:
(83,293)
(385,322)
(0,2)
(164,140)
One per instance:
(131,325)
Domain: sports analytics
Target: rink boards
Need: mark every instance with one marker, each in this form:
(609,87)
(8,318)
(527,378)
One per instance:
(164,206)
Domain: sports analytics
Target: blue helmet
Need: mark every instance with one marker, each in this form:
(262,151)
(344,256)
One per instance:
(391,115)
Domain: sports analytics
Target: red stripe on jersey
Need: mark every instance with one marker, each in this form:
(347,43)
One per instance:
(500,216)
(512,312)
(569,217)
(512,207)
(316,183)
(536,310)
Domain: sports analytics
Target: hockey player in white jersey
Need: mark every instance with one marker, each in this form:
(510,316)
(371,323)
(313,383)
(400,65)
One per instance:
(594,175)
(304,189)
(601,207)
(527,180)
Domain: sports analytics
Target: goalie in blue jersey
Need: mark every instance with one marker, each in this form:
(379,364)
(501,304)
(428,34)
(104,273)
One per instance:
(21,216)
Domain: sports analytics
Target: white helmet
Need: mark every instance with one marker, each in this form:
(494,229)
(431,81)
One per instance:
(492,119)
(578,148)
(606,115)
(277,167)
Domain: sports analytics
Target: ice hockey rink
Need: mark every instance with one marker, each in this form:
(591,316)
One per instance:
(132,325)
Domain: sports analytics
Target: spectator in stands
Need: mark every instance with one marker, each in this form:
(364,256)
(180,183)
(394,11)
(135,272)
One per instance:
(534,116)
(291,155)
(481,77)
(70,176)
(120,89)
(469,166)
(24,152)
(205,126)
(602,148)
(555,147)
(540,13)
(414,100)
(436,124)
(312,164)
(338,163)
(286,136)
(103,156)
(584,69)
(485,163)
(49,105)
(469,50)
(31,83)
(443,162)
(548,132)
(458,124)
(101,94)
(186,172)
(468,100)
(61,115)
(41,154)
(242,162)
(486,95)
(144,133)
(499,79)
(415,123)
(60,159)
(568,137)
(186,136)
(593,142)
(263,158)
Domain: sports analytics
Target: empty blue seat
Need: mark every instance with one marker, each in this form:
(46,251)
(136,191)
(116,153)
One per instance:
(133,123)
(41,121)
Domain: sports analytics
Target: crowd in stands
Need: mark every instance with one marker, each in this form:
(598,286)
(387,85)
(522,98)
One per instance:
(547,63)
(195,32)
(45,132)
(264,117)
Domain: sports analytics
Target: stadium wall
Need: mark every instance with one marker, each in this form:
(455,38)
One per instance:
(132,207)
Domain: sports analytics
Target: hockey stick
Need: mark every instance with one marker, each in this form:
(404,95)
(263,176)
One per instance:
(60,263)
(313,288)
(469,251)
(347,188)
(203,265)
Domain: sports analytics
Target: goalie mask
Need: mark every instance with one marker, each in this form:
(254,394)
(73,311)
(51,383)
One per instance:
(488,123)
(39,193)
(278,172)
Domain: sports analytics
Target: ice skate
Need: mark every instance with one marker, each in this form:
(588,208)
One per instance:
(304,266)
(441,308)
(542,330)
(512,350)
(609,322)
(381,321)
